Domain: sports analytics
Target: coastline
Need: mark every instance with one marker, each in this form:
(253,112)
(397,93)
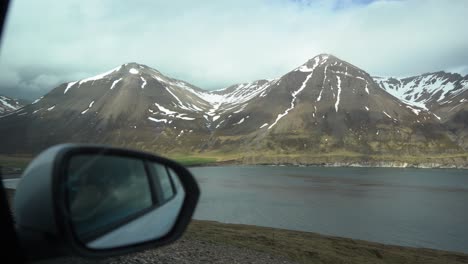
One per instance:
(15,165)
(332,159)
(336,165)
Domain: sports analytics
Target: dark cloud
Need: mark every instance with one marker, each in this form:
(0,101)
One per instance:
(216,44)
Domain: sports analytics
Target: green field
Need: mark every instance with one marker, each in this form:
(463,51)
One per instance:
(16,164)
(194,161)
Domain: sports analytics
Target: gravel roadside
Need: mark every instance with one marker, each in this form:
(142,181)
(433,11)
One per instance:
(185,251)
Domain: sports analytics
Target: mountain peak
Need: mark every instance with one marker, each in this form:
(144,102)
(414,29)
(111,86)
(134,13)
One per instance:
(136,68)
(326,59)
(325,56)
(322,58)
(132,65)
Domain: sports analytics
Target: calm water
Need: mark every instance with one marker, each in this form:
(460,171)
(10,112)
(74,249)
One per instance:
(410,207)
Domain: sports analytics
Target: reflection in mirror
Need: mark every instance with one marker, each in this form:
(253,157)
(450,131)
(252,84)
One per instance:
(119,201)
(163,182)
(104,190)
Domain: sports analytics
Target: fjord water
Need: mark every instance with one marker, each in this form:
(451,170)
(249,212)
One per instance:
(408,207)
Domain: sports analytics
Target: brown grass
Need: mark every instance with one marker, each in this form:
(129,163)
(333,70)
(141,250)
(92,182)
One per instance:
(305,247)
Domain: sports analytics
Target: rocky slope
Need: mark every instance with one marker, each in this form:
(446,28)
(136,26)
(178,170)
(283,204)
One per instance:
(324,111)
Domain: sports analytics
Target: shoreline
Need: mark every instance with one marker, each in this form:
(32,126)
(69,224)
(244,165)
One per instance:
(15,165)
(214,242)
(18,174)
(331,165)
(308,247)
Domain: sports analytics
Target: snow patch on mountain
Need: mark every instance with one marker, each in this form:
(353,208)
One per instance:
(165,110)
(323,83)
(295,93)
(240,122)
(337,103)
(37,100)
(87,109)
(414,110)
(69,85)
(170,113)
(114,83)
(100,76)
(180,134)
(219,124)
(387,115)
(157,120)
(177,98)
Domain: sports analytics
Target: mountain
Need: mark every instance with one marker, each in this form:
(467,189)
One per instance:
(328,110)
(8,104)
(126,106)
(444,94)
(324,111)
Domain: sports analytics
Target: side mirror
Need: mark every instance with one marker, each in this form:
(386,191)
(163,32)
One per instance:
(97,201)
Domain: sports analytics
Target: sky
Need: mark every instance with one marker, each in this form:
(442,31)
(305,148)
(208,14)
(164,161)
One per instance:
(214,44)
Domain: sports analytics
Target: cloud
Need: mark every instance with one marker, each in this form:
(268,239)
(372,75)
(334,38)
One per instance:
(462,70)
(216,44)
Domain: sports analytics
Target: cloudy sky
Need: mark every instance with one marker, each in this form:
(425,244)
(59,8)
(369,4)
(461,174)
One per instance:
(213,44)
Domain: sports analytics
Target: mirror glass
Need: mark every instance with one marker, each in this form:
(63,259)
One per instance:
(116,201)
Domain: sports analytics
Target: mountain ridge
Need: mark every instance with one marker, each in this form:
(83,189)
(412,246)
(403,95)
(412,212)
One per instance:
(323,111)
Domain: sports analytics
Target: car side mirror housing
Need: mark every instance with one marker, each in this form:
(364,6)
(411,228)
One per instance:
(99,201)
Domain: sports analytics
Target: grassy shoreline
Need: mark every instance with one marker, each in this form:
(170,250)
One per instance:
(17,164)
(305,247)
(454,161)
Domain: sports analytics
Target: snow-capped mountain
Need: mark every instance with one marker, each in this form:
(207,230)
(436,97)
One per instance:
(326,110)
(431,91)
(328,106)
(443,94)
(328,86)
(8,104)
